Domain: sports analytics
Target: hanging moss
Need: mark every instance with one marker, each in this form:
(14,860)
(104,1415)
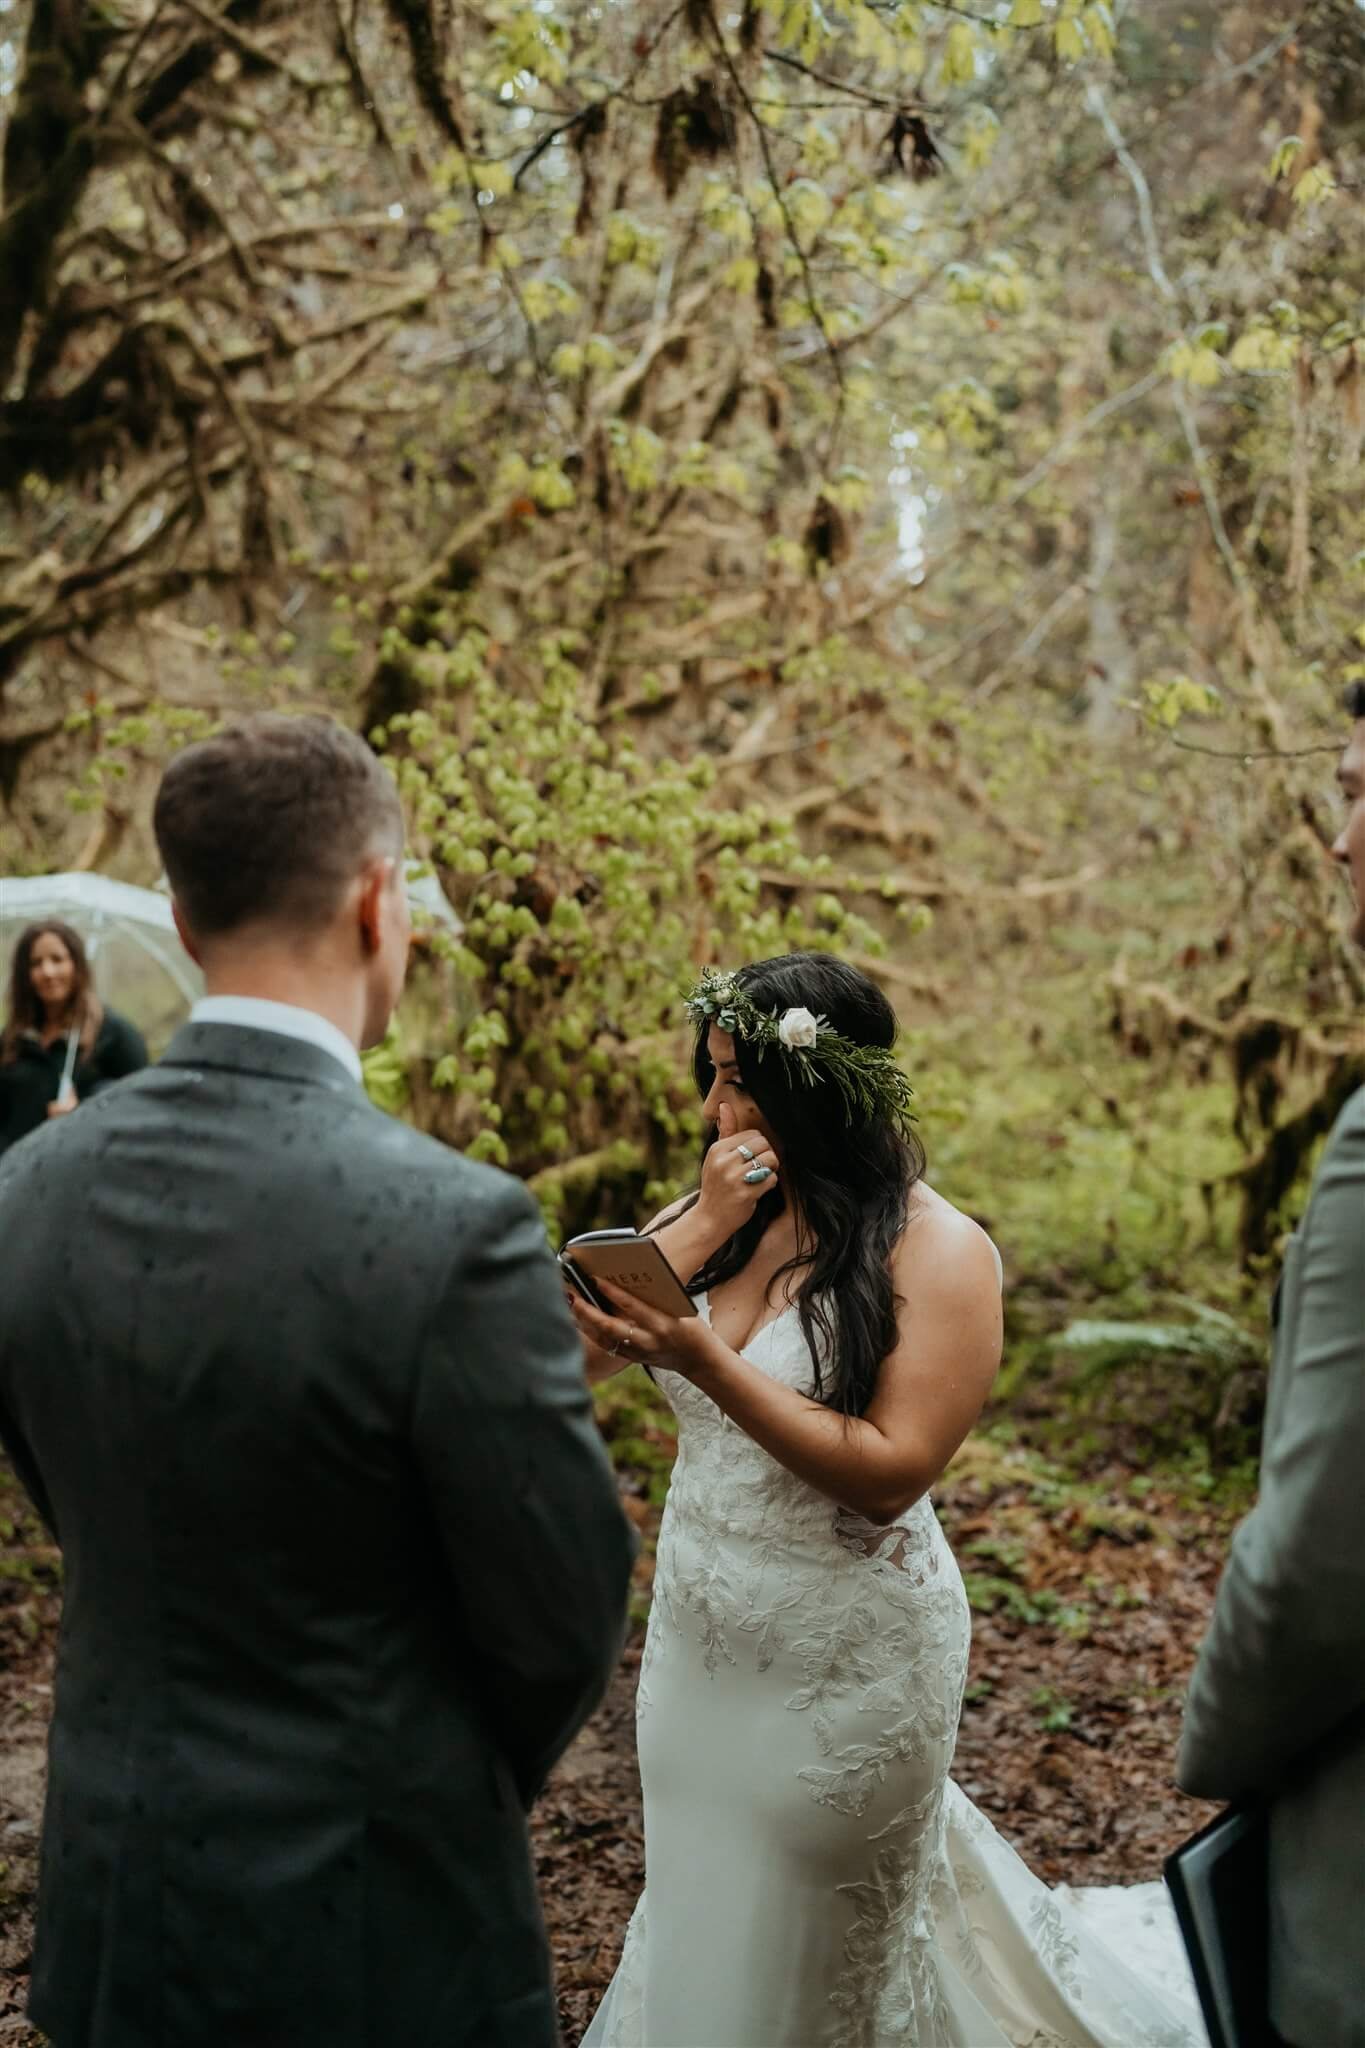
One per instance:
(694,126)
(1268,1178)
(1264,1051)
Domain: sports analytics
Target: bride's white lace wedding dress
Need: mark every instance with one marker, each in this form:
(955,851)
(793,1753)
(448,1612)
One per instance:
(814,1879)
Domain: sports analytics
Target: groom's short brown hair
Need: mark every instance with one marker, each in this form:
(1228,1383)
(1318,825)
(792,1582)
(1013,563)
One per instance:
(269,820)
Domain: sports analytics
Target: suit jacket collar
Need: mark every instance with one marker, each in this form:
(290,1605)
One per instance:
(242,1049)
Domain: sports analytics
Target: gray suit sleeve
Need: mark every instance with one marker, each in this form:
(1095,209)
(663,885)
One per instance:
(1284,1660)
(522,1489)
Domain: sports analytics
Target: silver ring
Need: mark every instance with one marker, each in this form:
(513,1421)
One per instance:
(745,1153)
(757,1174)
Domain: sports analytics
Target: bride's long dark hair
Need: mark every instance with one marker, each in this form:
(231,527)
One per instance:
(850,1183)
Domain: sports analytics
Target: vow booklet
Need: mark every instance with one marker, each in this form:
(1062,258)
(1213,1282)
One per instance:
(1219,1889)
(630,1261)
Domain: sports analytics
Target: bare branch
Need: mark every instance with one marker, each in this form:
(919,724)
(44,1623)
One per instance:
(251,46)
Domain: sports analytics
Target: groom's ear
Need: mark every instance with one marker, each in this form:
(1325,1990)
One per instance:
(187,938)
(373,903)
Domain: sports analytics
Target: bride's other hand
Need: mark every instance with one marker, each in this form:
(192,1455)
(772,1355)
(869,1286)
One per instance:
(598,1363)
(739,1170)
(640,1335)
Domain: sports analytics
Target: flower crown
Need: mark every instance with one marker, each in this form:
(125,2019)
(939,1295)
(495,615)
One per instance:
(867,1076)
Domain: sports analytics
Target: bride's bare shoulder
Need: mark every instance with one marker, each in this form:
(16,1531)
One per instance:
(940,1240)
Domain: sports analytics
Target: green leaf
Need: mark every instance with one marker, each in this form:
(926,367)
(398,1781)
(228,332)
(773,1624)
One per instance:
(1191,363)
(1099,29)
(1314,186)
(1262,347)
(548,486)
(1068,39)
(808,205)
(494,178)
(959,55)
(1176,697)
(1284,156)
(724,211)
(983,134)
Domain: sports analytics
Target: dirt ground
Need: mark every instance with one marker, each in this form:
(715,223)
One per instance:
(1090,1602)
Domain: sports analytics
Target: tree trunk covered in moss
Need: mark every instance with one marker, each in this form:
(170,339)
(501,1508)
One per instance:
(49,154)
(417,20)
(55,141)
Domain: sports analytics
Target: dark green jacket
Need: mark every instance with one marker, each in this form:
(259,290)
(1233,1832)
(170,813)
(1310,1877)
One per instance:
(1277,1705)
(30,1081)
(297,1391)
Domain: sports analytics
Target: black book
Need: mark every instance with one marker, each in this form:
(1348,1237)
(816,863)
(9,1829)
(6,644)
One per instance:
(1220,1888)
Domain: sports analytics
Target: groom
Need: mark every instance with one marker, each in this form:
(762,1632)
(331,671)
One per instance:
(296,1390)
(1277,1707)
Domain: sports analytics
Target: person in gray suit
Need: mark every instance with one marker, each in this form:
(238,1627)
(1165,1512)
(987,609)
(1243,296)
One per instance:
(296,1390)
(1276,1710)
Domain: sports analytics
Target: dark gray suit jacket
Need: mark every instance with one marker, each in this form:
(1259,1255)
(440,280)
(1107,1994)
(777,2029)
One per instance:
(297,1391)
(1277,1705)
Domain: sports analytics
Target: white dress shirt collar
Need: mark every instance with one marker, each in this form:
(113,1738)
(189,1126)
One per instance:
(286,1020)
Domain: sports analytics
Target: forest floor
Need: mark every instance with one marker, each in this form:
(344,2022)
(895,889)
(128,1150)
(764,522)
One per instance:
(1090,1595)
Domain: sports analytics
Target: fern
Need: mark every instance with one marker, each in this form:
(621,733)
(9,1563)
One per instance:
(1214,1337)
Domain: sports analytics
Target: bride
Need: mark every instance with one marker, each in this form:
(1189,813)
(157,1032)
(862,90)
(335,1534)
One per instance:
(813,1877)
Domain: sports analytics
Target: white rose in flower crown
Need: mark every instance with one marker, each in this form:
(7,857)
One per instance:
(798,1030)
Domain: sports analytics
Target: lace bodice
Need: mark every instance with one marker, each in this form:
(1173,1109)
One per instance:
(728,1487)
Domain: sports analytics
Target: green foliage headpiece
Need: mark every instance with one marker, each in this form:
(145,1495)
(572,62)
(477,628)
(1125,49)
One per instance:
(867,1077)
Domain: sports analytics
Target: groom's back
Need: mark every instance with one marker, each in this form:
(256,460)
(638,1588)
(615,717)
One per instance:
(275,1814)
(215,1276)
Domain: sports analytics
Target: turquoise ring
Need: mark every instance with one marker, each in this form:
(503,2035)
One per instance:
(756,1174)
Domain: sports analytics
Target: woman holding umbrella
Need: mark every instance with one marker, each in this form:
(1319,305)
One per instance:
(60,1043)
